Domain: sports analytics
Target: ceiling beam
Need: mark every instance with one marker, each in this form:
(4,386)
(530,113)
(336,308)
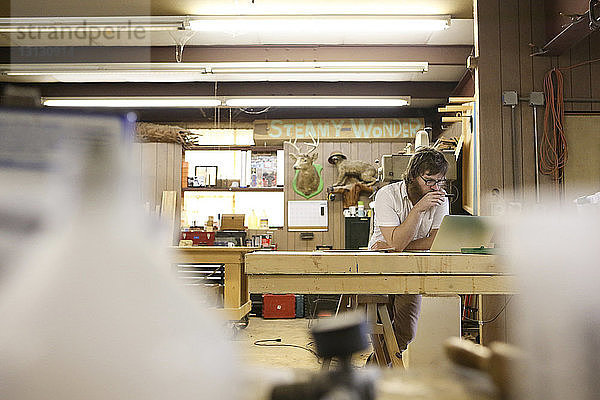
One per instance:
(423,90)
(466,85)
(434,55)
(223,115)
(425,97)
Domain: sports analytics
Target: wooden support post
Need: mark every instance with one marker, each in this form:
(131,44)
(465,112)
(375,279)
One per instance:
(232,292)
(377,345)
(383,338)
(390,338)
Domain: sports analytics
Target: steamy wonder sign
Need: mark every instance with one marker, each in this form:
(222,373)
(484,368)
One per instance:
(337,129)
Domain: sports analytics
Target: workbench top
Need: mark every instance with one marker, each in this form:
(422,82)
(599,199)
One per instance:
(225,249)
(370,272)
(371,262)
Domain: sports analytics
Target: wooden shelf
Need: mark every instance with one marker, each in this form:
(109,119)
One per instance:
(207,189)
(256,149)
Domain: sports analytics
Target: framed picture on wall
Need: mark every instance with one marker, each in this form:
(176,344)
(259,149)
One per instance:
(207,175)
(263,169)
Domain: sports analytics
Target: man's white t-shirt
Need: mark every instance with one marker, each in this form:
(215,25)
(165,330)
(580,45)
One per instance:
(392,206)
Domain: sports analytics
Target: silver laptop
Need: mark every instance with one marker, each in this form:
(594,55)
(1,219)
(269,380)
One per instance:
(463,231)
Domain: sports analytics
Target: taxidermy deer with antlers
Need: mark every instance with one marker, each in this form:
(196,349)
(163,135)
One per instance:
(308,179)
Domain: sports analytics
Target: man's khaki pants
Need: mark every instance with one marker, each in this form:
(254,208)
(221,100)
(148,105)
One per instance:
(405,309)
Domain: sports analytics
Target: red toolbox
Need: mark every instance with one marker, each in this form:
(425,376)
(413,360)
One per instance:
(200,238)
(279,306)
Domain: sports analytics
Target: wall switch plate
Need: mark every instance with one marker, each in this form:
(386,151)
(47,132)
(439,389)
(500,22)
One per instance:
(307,235)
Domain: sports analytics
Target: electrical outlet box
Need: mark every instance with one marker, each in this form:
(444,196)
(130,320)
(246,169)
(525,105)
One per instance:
(510,98)
(536,98)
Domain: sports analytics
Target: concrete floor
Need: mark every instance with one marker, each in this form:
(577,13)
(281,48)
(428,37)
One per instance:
(277,365)
(292,332)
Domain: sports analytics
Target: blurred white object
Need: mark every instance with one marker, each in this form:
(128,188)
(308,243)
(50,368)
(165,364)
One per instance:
(555,254)
(92,311)
(436,324)
(591,199)
(588,205)
(421,139)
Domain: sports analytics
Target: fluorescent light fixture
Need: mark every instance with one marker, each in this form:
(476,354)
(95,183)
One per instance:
(80,24)
(315,67)
(133,102)
(316,101)
(193,102)
(219,68)
(242,24)
(104,68)
(234,24)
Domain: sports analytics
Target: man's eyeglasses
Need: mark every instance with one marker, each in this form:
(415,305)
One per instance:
(433,182)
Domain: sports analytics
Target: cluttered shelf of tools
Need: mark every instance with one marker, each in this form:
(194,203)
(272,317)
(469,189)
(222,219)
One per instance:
(233,189)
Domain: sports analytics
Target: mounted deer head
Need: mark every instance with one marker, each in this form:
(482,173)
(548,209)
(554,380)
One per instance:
(307,179)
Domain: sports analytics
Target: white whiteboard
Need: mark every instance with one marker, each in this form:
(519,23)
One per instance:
(307,215)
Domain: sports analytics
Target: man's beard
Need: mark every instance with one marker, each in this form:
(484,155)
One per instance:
(415,190)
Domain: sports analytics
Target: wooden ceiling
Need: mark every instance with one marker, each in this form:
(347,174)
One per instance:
(446,53)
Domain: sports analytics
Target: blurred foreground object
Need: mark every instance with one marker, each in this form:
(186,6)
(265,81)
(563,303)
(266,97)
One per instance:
(20,96)
(589,206)
(338,337)
(500,361)
(593,199)
(555,253)
(89,310)
(345,334)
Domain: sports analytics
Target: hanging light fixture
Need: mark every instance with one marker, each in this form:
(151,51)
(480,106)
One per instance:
(131,102)
(318,101)
(273,24)
(233,102)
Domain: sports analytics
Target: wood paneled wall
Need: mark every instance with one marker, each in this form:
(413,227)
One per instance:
(504,31)
(159,166)
(582,82)
(364,151)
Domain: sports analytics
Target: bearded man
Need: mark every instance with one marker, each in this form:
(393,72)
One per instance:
(408,215)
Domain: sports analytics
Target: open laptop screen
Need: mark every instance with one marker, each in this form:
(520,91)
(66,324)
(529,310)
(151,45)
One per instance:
(463,231)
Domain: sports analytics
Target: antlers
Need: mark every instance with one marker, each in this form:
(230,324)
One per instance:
(293,144)
(314,144)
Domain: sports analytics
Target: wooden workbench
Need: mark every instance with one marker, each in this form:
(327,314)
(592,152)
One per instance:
(236,302)
(346,272)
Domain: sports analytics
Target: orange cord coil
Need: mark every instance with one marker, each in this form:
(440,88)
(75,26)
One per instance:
(553,148)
